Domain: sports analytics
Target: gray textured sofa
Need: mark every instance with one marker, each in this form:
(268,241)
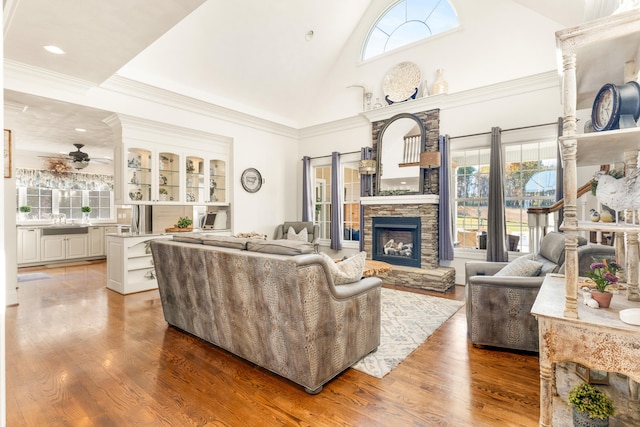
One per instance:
(278,310)
(499,307)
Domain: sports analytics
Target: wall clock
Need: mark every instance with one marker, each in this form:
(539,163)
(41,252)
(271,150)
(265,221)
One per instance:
(616,107)
(251,180)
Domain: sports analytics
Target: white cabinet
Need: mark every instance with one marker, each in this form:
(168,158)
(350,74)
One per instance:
(96,246)
(64,246)
(161,164)
(28,245)
(130,264)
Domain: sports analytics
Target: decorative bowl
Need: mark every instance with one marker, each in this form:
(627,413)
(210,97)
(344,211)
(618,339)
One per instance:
(630,316)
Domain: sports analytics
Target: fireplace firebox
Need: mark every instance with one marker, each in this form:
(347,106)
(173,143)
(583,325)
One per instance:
(396,240)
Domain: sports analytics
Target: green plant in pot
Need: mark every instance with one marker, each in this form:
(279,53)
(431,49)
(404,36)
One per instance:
(603,274)
(184,222)
(86,209)
(591,407)
(25,209)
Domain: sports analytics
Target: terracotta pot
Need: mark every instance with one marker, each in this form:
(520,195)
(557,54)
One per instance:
(603,298)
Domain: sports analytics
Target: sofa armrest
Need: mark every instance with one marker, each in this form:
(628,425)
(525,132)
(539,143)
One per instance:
(482,268)
(343,291)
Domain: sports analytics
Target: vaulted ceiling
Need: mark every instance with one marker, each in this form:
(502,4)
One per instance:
(247,55)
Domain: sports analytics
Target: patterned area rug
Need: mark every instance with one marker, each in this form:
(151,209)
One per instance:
(408,319)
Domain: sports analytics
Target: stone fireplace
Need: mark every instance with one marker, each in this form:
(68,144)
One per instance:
(406,225)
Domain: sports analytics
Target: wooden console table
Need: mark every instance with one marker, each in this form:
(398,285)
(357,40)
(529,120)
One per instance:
(598,339)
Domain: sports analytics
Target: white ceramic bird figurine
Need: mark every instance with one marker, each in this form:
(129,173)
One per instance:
(619,194)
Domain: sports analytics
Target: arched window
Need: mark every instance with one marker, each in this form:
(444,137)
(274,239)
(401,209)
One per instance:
(408,21)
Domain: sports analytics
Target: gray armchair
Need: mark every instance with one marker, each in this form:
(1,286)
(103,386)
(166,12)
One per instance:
(313,231)
(498,307)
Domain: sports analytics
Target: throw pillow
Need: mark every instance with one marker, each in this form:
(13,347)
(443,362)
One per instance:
(348,270)
(521,266)
(302,236)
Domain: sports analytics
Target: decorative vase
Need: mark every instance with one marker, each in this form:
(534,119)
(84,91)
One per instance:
(85,217)
(581,419)
(440,85)
(603,298)
(594,215)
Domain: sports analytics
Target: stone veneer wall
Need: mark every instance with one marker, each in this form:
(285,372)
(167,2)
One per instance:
(430,275)
(431,120)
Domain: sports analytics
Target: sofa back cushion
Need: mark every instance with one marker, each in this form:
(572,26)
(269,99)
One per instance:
(225,241)
(280,247)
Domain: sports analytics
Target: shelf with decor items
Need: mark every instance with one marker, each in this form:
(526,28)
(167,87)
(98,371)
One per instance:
(169,175)
(596,54)
(173,164)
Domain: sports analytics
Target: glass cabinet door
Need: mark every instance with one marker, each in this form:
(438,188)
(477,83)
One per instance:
(168,177)
(195,179)
(217,181)
(138,177)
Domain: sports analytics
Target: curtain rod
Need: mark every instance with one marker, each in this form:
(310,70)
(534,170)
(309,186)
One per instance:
(322,157)
(505,130)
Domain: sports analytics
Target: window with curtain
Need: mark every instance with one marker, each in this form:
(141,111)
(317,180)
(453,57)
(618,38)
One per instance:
(351,199)
(530,170)
(408,21)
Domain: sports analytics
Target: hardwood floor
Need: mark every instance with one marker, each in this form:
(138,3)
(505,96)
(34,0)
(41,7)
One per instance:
(79,354)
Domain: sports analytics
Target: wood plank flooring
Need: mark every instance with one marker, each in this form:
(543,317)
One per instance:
(79,354)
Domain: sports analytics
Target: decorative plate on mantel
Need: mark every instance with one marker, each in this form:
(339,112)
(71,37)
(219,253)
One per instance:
(402,82)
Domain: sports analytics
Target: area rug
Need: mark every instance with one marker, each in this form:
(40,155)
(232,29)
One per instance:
(407,320)
(33,276)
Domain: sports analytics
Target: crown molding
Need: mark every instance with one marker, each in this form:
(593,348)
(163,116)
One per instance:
(18,75)
(334,126)
(147,92)
(533,83)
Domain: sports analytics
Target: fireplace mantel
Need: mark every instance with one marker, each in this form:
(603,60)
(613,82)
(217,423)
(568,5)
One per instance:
(410,199)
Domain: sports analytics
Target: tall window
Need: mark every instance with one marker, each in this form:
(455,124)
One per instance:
(350,202)
(408,21)
(530,180)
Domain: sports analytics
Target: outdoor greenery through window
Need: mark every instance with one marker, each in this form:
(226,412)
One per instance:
(530,180)
(350,202)
(408,21)
(45,201)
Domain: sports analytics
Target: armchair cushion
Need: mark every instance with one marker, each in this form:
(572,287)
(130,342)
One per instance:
(301,236)
(348,270)
(521,266)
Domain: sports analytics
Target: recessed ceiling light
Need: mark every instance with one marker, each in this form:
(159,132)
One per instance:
(309,35)
(80,130)
(403,182)
(54,49)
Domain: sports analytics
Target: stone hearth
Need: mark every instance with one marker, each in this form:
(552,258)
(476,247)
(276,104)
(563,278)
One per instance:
(429,275)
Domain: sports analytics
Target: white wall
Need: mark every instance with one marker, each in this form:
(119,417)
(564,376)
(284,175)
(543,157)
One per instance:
(497,41)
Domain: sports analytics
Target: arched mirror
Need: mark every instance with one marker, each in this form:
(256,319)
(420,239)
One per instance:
(400,142)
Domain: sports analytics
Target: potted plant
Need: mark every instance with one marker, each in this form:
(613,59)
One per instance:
(86,210)
(184,222)
(603,274)
(591,407)
(24,212)
(163,194)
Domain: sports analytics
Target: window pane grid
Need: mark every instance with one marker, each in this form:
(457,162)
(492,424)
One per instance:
(530,170)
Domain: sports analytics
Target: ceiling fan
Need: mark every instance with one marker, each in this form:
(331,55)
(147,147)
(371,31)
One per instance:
(79,159)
